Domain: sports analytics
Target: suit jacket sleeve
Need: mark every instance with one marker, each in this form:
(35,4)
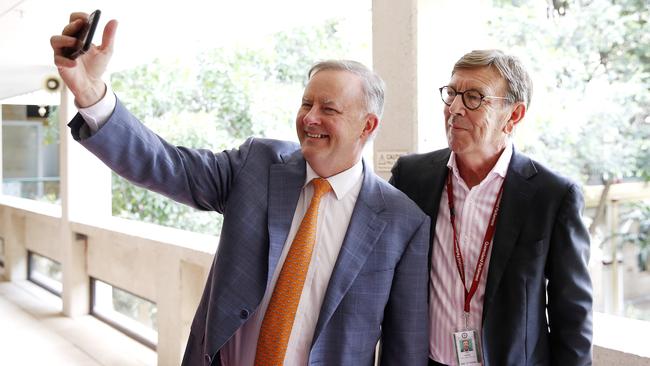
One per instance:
(404,329)
(569,285)
(196,177)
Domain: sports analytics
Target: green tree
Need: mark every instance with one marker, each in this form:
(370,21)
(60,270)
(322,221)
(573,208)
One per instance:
(51,130)
(594,59)
(215,101)
(297,50)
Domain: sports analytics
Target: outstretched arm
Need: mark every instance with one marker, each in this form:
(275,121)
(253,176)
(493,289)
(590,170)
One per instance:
(196,177)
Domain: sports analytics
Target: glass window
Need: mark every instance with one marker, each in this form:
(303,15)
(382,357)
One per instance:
(129,313)
(45,272)
(30,152)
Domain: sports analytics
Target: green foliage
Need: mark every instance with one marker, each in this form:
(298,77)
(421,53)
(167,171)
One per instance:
(594,60)
(51,130)
(194,130)
(223,83)
(299,49)
(215,100)
(640,215)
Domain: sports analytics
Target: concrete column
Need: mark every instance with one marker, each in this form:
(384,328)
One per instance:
(394,52)
(85,195)
(415,45)
(192,280)
(76,283)
(183,285)
(168,302)
(15,250)
(1,148)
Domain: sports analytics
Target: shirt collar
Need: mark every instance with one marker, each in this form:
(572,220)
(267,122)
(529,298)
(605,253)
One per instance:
(500,168)
(342,182)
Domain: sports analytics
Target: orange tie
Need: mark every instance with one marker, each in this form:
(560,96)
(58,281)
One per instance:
(281,312)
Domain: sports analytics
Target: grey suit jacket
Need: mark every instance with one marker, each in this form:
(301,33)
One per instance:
(539,237)
(379,284)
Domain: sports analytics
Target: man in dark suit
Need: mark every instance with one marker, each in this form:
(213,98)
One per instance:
(509,252)
(318,258)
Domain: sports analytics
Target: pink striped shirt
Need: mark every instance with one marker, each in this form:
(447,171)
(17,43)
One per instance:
(473,209)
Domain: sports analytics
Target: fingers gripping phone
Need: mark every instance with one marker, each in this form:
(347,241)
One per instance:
(84,36)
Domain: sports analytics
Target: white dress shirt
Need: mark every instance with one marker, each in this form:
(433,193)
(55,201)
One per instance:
(335,211)
(97,114)
(473,208)
(334,216)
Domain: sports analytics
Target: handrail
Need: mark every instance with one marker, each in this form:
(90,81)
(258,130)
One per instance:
(31,179)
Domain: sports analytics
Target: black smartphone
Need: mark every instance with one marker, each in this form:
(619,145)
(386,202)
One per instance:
(84,37)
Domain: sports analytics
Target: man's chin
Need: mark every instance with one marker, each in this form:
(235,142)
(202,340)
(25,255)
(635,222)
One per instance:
(310,153)
(457,147)
(314,146)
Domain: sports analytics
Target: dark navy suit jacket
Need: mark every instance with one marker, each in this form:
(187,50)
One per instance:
(379,284)
(538,263)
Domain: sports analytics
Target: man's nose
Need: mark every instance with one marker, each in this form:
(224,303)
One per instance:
(457,106)
(311,117)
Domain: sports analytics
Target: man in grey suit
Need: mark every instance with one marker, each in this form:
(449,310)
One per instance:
(366,274)
(509,250)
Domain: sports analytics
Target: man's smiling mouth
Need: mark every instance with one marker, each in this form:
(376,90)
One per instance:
(316,135)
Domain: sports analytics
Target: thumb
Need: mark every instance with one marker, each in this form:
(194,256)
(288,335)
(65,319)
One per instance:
(108,38)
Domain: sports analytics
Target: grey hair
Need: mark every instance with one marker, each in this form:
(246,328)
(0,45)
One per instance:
(373,85)
(520,85)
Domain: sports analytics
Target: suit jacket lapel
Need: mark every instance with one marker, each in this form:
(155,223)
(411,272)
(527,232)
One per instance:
(517,193)
(435,174)
(427,187)
(364,230)
(285,184)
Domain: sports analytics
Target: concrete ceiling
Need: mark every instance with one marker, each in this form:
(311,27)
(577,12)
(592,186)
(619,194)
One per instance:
(27,25)
(25,61)
(146,30)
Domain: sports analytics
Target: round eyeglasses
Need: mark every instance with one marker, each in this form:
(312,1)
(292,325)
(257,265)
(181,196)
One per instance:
(472,99)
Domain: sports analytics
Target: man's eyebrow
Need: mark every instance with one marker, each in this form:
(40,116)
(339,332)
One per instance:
(328,102)
(479,89)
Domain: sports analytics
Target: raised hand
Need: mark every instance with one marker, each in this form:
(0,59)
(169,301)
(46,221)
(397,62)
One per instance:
(83,76)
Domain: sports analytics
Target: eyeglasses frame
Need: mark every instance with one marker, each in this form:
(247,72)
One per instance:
(462,97)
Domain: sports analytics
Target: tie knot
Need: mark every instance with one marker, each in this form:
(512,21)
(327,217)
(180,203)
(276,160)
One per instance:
(321,186)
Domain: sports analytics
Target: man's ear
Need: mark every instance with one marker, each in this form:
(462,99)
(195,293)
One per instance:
(370,125)
(516,116)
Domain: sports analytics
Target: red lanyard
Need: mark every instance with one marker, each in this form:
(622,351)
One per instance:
(487,241)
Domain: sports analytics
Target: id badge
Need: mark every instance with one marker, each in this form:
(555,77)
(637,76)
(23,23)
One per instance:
(467,347)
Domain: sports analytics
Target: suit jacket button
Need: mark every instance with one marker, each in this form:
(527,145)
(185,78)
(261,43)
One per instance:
(208,359)
(244,314)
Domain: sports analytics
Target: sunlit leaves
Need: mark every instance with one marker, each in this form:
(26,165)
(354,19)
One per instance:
(215,100)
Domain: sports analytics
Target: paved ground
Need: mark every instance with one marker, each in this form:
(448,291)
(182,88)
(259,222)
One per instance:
(33,331)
